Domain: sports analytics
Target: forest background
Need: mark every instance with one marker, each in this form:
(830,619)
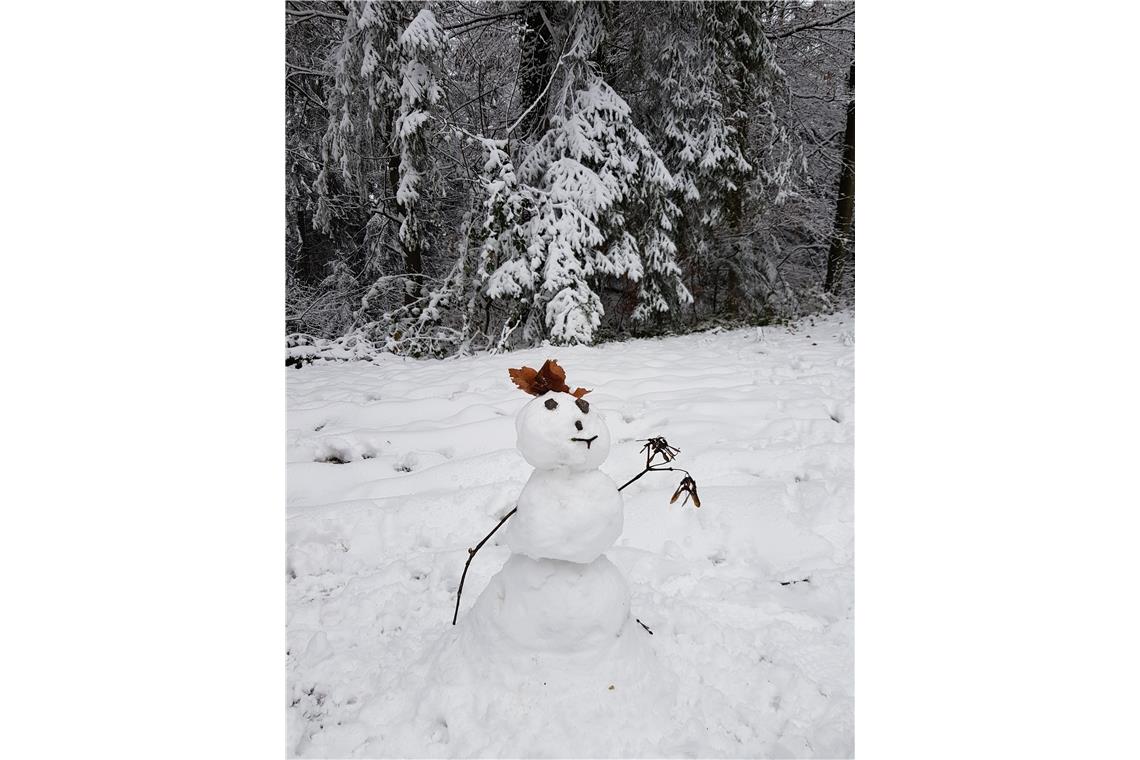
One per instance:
(470,176)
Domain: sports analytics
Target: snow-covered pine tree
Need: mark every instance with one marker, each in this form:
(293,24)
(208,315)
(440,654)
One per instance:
(361,106)
(748,77)
(456,311)
(588,204)
(688,118)
(715,72)
(377,147)
(420,49)
(352,186)
(504,267)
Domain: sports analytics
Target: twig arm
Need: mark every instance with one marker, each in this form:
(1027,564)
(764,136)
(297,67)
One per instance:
(635,477)
(653,469)
(470,556)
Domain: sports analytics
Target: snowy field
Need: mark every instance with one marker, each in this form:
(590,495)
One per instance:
(397,466)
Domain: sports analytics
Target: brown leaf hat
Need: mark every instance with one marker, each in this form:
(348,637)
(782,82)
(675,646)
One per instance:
(539,381)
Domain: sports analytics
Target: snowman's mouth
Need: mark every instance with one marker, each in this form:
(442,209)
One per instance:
(586,441)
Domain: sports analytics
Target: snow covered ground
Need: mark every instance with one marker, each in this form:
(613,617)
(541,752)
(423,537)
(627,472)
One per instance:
(397,466)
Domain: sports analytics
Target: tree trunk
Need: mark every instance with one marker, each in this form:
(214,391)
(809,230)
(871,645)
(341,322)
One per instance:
(535,66)
(841,237)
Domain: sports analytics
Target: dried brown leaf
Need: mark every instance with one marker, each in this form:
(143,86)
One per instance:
(524,378)
(550,377)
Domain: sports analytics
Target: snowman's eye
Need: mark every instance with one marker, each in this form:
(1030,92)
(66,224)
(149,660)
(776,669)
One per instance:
(584,405)
(551,404)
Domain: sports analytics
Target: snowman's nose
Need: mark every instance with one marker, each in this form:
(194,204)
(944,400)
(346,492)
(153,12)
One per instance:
(578,424)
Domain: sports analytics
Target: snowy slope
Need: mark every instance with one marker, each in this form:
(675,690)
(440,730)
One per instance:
(397,466)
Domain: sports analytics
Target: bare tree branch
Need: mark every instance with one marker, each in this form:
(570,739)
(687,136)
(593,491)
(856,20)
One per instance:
(541,95)
(813,25)
(479,19)
(813,97)
(307,94)
(307,14)
(471,556)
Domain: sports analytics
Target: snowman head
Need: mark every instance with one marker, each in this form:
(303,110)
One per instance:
(558,429)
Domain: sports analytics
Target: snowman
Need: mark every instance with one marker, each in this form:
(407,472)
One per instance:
(549,649)
(558,592)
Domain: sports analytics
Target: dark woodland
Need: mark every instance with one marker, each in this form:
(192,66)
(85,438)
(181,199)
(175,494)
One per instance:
(482,176)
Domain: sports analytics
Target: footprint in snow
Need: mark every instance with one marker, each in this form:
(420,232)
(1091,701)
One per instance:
(343,452)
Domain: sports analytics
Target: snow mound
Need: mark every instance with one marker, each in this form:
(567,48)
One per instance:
(551,607)
(614,699)
(300,346)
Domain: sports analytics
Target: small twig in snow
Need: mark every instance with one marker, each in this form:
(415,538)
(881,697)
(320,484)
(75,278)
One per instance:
(470,556)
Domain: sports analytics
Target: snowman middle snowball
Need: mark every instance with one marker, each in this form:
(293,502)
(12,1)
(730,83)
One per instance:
(569,509)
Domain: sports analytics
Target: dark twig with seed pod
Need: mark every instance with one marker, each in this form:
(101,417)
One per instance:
(659,447)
